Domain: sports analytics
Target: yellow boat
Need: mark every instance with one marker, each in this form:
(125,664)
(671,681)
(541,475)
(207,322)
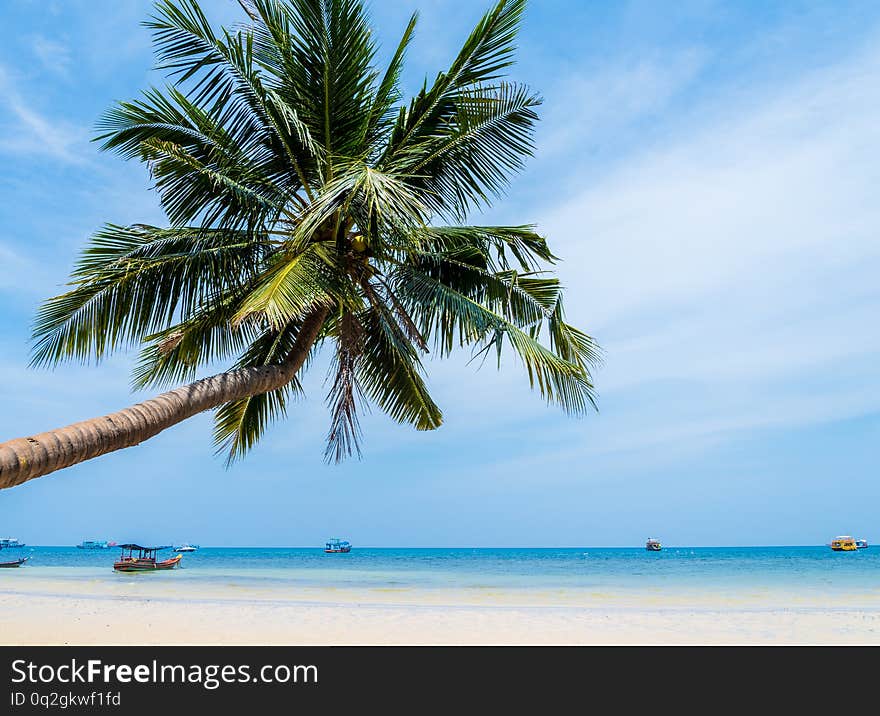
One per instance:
(844,543)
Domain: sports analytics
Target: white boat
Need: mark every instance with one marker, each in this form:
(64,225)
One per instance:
(186,548)
(653,545)
(93,544)
(10,542)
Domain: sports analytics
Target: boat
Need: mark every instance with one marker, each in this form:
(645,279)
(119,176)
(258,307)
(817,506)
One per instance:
(93,544)
(653,545)
(143,559)
(10,542)
(843,543)
(14,563)
(335,546)
(186,548)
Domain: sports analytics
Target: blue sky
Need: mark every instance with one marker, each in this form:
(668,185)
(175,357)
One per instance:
(707,170)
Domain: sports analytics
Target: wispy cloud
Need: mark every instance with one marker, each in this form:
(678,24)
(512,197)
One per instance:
(731,271)
(586,106)
(24,130)
(54,56)
(21,273)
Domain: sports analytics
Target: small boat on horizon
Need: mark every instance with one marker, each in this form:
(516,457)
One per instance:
(844,543)
(186,548)
(861,544)
(145,561)
(337,546)
(653,545)
(10,542)
(93,544)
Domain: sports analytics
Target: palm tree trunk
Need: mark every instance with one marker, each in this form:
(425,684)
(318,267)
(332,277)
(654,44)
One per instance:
(23,459)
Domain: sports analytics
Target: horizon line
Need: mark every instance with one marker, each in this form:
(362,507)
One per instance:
(315,546)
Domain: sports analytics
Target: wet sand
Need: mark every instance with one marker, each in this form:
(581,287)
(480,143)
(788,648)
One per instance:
(143,611)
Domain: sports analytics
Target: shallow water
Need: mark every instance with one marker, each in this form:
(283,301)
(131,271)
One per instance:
(689,577)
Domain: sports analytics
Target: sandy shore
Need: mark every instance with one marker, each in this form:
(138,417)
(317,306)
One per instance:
(35,613)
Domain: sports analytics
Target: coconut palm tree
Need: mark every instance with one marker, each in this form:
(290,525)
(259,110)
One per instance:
(308,206)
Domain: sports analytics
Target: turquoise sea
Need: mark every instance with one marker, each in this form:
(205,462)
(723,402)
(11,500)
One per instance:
(814,574)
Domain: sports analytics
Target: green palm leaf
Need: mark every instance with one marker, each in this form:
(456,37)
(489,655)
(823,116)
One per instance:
(176,354)
(133,281)
(239,424)
(475,152)
(390,371)
(492,243)
(454,319)
(487,52)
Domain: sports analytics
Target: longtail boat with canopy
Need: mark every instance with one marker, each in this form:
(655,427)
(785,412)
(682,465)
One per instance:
(13,563)
(135,558)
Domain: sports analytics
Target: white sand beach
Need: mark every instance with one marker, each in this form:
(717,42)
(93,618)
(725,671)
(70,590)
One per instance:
(46,611)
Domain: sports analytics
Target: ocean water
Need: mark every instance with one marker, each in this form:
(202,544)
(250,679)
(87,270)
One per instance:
(762,576)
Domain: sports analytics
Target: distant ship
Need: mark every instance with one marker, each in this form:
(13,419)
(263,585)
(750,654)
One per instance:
(334,546)
(10,542)
(653,545)
(186,548)
(862,544)
(93,544)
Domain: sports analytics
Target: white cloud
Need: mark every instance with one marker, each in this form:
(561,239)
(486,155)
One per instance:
(54,56)
(596,101)
(737,262)
(13,264)
(24,130)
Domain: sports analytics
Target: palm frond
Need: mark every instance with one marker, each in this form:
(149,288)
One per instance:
(488,50)
(192,191)
(287,290)
(327,72)
(381,205)
(527,300)
(343,438)
(571,343)
(492,243)
(202,172)
(390,371)
(383,299)
(132,281)
(223,75)
(454,318)
(383,111)
(207,336)
(473,154)
(239,425)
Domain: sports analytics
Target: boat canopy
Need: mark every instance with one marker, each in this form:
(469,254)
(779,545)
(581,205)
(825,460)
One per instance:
(142,549)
